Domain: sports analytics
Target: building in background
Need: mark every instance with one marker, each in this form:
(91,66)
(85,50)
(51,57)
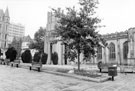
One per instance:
(15,30)
(26,40)
(49,46)
(4,24)
(52,43)
(9,30)
(120,48)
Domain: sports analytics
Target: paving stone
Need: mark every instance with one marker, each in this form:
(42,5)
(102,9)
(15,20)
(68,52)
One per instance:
(20,79)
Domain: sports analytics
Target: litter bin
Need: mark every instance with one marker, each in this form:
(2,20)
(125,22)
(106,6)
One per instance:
(112,71)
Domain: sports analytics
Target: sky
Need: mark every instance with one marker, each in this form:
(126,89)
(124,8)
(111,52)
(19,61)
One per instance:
(116,15)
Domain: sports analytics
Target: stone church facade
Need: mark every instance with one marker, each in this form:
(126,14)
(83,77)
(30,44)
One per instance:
(49,45)
(120,48)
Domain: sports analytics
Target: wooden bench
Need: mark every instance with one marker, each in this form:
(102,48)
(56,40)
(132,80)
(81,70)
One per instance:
(5,61)
(15,63)
(36,65)
(1,61)
(127,68)
(104,67)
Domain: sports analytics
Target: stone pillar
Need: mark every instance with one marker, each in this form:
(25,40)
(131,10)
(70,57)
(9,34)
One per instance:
(62,55)
(47,48)
(45,44)
(107,55)
(49,53)
(104,55)
(131,54)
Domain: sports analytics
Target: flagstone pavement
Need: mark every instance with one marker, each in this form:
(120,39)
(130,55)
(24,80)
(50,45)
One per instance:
(20,79)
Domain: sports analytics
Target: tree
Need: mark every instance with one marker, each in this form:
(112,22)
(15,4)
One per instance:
(38,40)
(37,57)
(17,44)
(77,29)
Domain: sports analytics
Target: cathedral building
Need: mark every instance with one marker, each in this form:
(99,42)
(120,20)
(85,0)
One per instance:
(120,47)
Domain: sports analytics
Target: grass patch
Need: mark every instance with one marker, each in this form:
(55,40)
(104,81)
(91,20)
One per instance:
(63,70)
(91,74)
(82,72)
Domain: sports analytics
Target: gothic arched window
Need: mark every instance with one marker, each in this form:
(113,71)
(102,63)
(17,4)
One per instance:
(99,53)
(125,50)
(112,51)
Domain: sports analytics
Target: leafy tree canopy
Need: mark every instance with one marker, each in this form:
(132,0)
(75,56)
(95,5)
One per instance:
(38,40)
(17,44)
(77,28)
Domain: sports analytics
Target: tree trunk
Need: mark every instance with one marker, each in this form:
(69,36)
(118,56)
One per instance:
(51,53)
(78,60)
(65,54)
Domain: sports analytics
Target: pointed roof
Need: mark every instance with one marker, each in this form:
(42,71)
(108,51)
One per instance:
(27,39)
(6,12)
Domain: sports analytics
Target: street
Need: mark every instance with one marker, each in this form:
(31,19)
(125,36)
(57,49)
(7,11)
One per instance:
(20,79)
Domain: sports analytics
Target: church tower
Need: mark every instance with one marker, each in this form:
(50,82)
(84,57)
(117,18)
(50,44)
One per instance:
(6,16)
(5,32)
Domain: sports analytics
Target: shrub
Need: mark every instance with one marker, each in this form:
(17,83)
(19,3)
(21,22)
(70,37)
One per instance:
(37,57)
(55,58)
(1,53)
(11,54)
(44,58)
(26,56)
(8,53)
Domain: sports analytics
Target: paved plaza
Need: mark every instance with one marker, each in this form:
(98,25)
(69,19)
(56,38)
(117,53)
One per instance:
(22,79)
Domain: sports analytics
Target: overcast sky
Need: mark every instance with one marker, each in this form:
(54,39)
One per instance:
(116,15)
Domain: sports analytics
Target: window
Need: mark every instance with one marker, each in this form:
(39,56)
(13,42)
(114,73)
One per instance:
(125,50)
(99,53)
(112,51)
